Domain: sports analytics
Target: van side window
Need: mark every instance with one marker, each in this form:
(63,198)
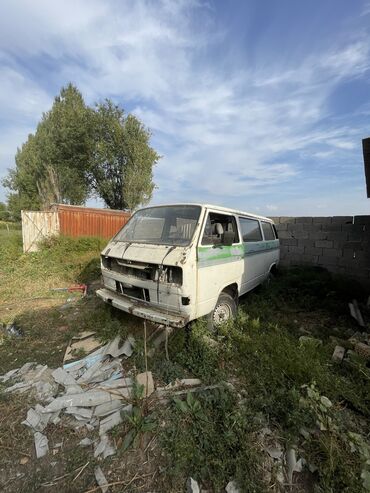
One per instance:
(250,229)
(268,232)
(215,227)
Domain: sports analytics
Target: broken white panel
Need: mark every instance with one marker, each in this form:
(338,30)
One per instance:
(115,383)
(64,378)
(36,420)
(274,452)
(109,408)
(9,375)
(19,387)
(110,422)
(356,313)
(292,464)
(85,442)
(192,486)
(81,412)
(185,382)
(104,447)
(41,444)
(101,479)
(90,398)
(231,487)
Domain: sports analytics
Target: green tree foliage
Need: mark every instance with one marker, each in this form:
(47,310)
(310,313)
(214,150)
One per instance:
(77,151)
(51,165)
(121,171)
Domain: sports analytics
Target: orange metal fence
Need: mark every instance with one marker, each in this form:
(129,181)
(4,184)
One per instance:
(88,221)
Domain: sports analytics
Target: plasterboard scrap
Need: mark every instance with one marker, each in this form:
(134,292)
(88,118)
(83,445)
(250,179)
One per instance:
(192,486)
(274,452)
(41,444)
(184,382)
(128,347)
(231,487)
(35,374)
(85,341)
(356,313)
(109,370)
(292,464)
(83,412)
(18,387)
(108,408)
(113,383)
(89,373)
(26,368)
(9,375)
(146,379)
(86,399)
(86,442)
(110,422)
(36,420)
(45,390)
(104,447)
(64,378)
(101,479)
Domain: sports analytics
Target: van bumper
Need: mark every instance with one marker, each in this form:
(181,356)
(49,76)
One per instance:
(141,309)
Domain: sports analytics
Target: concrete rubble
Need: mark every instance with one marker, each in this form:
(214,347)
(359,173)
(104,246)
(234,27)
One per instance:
(91,392)
(338,354)
(192,486)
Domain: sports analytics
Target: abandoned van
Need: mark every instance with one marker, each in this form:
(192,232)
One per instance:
(174,263)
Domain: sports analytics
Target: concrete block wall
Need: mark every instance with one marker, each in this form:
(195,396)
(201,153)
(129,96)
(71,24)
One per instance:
(340,243)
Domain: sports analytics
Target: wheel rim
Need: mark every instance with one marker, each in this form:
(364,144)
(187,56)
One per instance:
(221,314)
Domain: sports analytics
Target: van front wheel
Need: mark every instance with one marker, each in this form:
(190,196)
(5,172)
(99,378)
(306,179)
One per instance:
(224,310)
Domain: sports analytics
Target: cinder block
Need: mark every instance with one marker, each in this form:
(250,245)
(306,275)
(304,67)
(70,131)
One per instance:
(342,219)
(303,220)
(311,259)
(318,235)
(306,242)
(296,249)
(326,261)
(362,219)
(332,252)
(321,220)
(281,226)
(332,227)
(286,219)
(324,244)
(313,251)
(337,235)
(288,242)
(355,245)
(295,227)
(310,227)
(304,235)
(285,234)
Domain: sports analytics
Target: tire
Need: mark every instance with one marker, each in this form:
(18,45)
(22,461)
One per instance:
(224,310)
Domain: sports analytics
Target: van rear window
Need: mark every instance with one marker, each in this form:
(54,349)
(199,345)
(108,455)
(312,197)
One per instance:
(268,232)
(250,229)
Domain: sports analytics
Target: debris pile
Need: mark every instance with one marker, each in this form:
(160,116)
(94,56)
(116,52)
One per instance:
(90,392)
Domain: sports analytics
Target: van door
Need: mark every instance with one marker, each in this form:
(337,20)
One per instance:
(254,253)
(218,265)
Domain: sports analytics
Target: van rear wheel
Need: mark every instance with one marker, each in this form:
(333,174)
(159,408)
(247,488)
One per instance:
(224,311)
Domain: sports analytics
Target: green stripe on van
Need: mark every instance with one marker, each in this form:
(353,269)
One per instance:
(210,255)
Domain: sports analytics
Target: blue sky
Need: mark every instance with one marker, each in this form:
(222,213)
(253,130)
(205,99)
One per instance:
(256,105)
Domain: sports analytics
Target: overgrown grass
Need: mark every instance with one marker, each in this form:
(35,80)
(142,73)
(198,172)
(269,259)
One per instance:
(260,353)
(59,262)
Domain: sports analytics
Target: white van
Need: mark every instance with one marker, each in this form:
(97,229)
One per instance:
(175,263)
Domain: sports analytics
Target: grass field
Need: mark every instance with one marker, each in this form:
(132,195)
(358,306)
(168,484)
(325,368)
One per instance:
(266,377)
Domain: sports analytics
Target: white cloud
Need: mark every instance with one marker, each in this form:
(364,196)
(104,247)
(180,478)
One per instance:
(222,135)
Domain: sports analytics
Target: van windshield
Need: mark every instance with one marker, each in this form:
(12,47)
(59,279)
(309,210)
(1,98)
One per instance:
(166,225)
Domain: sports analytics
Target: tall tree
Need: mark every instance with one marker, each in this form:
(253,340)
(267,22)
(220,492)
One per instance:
(121,170)
(51,166)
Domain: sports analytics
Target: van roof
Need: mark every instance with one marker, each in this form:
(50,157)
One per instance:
(216,207)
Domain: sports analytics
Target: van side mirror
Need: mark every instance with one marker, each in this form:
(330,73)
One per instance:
(228,238)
